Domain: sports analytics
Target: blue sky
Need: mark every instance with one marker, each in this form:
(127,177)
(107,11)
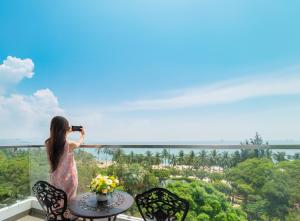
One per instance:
(122,68)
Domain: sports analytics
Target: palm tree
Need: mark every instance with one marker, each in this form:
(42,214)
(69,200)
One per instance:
(225,160)
(180,157)
(203,158)
(246,154)
(107,151)
(296,156)
(268,153)
(131,157)
(236,158)
(148,153)
(149,157)
(173,160)
(98,152)
(118,155)
(191,158)
(279,156)
(165,155)
(214,158)
(157,158)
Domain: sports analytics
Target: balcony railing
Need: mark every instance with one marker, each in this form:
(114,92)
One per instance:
(221,182)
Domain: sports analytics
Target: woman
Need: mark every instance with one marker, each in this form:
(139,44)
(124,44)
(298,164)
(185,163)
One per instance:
(63,171)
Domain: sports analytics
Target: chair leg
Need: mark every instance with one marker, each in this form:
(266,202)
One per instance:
(114,218)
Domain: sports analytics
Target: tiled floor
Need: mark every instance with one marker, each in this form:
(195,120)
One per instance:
(32,218)
(29,218)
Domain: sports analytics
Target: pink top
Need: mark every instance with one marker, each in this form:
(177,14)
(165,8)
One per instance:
(65,176)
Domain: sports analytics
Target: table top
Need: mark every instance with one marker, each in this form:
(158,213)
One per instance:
(86,205)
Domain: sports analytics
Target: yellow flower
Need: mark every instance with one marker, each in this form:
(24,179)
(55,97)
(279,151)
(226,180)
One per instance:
(108,182)
(100,181)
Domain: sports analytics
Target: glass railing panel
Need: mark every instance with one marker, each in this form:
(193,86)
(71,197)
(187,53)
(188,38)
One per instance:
(38,165)
(14,175)
(220,182)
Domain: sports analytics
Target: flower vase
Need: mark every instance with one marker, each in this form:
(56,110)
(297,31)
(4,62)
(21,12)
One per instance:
(101,197)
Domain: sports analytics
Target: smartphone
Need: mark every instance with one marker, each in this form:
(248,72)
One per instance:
(76,128)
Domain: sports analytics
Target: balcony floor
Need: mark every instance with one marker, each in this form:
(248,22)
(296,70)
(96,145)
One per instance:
(30,218)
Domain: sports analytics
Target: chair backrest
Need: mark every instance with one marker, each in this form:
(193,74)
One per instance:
(161,205)
(52,200)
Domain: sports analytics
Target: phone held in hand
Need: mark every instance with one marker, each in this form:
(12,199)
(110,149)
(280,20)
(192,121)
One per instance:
(76,128)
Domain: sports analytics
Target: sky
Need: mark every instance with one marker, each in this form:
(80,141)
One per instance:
(196,71)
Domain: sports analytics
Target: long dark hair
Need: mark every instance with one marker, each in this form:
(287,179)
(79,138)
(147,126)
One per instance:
(56,142)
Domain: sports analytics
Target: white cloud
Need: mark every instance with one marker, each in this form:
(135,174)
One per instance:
(24,116)
(28,117)
(119,125)
(13,70)
(222,92)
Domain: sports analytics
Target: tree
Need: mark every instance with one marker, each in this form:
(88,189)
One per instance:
(259,150)
(118,155)
(173,160)
(293,215)
(191,158)
(206,203)
(253,172)
(214,158)
(107,151)
(98,152)
(296,156)
(157,158)
(225,160)
(268,154)
(148,154)
(279,156)
(236,158)
(165,155)
(277,197)
(181,157)
(291,172)
(203,157)
(131,157)
(255,207)
(162,174)
(257,140)
(223,187)
(133,178)
(14,176)
(267,189)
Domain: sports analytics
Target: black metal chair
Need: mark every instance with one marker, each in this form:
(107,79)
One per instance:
(52,200)
(161,205)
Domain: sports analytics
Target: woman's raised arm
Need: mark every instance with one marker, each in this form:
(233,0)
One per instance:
(74,144)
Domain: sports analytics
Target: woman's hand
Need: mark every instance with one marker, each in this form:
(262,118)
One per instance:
(82,132)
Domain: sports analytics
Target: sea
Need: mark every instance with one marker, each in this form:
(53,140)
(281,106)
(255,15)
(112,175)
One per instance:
(289,148)
(175,150)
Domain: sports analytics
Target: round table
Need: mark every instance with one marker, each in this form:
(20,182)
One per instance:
(85,205)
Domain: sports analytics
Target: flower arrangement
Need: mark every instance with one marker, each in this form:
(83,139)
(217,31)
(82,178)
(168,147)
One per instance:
(104,184)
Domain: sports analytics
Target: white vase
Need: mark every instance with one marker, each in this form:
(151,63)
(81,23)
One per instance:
(101,197)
